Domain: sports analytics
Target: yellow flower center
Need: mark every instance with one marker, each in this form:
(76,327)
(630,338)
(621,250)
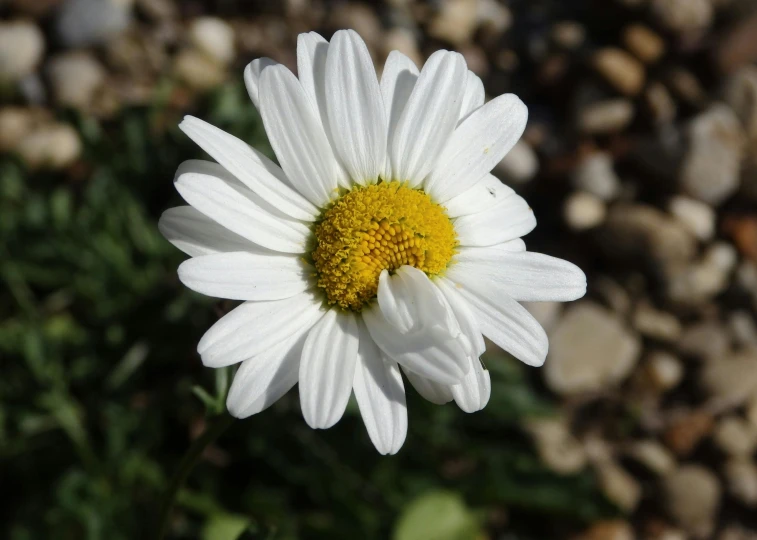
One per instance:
(377,227)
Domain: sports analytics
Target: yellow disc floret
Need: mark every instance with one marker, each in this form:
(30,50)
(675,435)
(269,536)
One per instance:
(377,227)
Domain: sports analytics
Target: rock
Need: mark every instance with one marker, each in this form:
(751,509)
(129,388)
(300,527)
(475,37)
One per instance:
(22,45)
(751,410)
(213,37)
(735,532)
(404,41)
(743,231)
(731,380)
(51,146)
(609,530)
(669,533)
(568,35)
(613,294)
(198,71)
(698,217)
(686,86)
(664,370)
(475,58)
(606,116)
(643,233)
(584,211)
(743,329)
(706,340)
(360,17)
(653,456)
(81,23)
(520,164)
(746,278)
(711,167)
(706,278)
(493,17)
(36,9)
(620,69)
(456,21)
(591,349)
(656,324)
(741,476)
(660,104)
(557,448)
(683,16)
(595,174)
(644,43)
(618,485)
(737,47)
(687,431)
(740,93)
(16,123)
(736,437)
(76,78)
(692,498)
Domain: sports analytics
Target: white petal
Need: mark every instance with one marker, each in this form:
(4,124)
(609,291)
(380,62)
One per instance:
(297,136)
(436,393)
(260,381)
(413,325)
(327,368)
(380,396)
(476,146)
(252,168)
(355,107)
(464,316)
(220,196)
(312,53)
(397,83)
(196,234)
(510,219)
(247,276)
(253,327)
(505,322)
(486,194)
(525,276)
(252,77)
(410,301)
(429,117)
(510,246)
(474,95)
(473,393)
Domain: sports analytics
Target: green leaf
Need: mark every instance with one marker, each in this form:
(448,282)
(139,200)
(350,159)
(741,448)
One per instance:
(224,526)
(437,515)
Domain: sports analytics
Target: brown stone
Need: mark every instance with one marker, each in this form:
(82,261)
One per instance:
(645,44)
(620,69)
(688,431)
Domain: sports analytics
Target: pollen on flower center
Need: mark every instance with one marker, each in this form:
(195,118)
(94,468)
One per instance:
(377,227)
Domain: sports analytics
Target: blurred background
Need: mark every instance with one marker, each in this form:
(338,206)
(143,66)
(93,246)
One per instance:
(639,161)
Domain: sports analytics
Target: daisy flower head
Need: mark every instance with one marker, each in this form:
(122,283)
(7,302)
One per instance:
(380,245)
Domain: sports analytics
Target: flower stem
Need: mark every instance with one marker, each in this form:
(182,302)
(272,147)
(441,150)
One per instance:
(216,426)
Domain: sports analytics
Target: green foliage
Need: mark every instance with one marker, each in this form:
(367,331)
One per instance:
(437,515)
(102,391)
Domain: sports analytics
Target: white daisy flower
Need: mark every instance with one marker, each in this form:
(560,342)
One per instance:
(381,245)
